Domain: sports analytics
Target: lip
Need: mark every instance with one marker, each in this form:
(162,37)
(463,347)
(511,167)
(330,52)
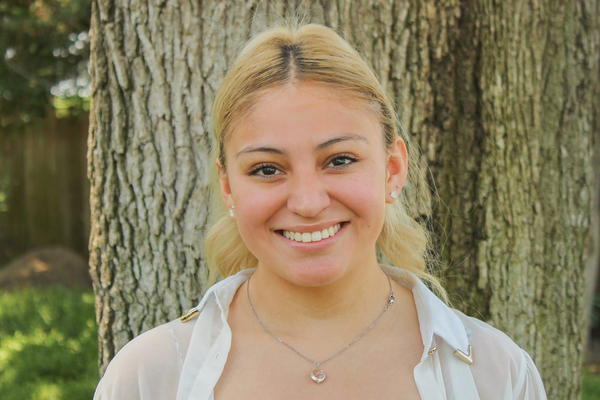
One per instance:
(313,246)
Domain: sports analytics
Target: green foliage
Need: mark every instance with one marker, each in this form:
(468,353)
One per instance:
(48,344)
(44,46)
(590,389)
(70,106)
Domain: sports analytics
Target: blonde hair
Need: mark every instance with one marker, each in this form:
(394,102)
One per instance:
(310,53)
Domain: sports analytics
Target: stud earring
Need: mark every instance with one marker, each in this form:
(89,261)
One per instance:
(394,195)
(231,214)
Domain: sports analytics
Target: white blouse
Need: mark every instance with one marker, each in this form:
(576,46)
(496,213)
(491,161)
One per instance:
(184,361)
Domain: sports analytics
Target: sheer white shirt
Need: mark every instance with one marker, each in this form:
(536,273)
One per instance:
(184,361)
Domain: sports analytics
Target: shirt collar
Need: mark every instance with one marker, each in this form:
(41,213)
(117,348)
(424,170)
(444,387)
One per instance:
(224,290)
(435,317)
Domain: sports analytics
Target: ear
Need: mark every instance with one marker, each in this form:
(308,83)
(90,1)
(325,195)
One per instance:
(225,187)
(397,170)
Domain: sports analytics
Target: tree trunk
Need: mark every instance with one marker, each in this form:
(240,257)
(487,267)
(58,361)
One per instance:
(498,95)
(515,177)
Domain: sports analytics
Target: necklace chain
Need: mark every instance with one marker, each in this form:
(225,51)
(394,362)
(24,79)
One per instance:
(391,301)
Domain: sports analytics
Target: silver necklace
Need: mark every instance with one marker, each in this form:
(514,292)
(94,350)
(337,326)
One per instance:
(318,375)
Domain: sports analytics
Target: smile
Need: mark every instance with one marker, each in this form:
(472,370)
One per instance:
(307,237)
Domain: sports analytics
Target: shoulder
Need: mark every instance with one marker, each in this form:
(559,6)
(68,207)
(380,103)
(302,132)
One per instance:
(501,368)
(487,337)
(490,343)
(148,367)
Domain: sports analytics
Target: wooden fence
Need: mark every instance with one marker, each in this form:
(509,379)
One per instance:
(44,190)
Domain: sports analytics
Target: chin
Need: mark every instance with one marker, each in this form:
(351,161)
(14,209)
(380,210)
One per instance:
(314,273)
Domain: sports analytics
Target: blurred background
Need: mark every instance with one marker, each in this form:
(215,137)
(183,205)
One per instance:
(48,332)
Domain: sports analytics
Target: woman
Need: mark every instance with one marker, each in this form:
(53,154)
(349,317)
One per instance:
(311,171)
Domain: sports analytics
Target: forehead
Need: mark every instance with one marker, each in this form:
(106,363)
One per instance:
(296,114)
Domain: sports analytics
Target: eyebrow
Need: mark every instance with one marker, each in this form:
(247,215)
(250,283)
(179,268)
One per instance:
(322,146)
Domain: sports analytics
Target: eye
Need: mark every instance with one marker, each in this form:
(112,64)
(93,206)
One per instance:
(342,160)
(265,171)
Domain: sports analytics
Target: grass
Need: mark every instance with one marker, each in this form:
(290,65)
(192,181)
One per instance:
(49,349)
(48,345)
(590,390)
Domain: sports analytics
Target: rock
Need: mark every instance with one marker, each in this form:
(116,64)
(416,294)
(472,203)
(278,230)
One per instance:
(47,266)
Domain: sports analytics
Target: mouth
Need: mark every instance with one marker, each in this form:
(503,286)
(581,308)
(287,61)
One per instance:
(310,237)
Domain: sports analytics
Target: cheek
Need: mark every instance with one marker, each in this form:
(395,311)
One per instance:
(365,196)
(254,208)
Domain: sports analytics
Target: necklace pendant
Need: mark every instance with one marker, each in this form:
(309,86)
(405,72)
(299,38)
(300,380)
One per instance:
(318,375)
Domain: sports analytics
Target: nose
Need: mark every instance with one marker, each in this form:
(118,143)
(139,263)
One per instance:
(308,195)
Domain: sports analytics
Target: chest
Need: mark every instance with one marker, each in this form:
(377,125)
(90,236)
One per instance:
(263,369)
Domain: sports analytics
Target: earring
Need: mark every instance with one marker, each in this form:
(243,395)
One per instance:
(394,194)
(231,214)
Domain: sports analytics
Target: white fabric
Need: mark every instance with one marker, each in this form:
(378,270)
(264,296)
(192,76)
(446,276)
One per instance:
(184,361)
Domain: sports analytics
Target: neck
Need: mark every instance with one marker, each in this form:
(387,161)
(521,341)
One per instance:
(348,304)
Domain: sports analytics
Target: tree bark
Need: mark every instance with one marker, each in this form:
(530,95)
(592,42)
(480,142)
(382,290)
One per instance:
(499,97)
(515,178)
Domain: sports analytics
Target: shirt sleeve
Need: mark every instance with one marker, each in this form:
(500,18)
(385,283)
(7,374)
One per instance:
(147,368)
(530,382)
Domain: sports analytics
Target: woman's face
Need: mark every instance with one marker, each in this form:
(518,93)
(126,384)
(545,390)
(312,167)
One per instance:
(309,176)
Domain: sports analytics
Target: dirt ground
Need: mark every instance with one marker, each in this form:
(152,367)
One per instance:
(46,266)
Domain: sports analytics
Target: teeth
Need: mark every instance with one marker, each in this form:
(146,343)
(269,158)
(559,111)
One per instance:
(307,237)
